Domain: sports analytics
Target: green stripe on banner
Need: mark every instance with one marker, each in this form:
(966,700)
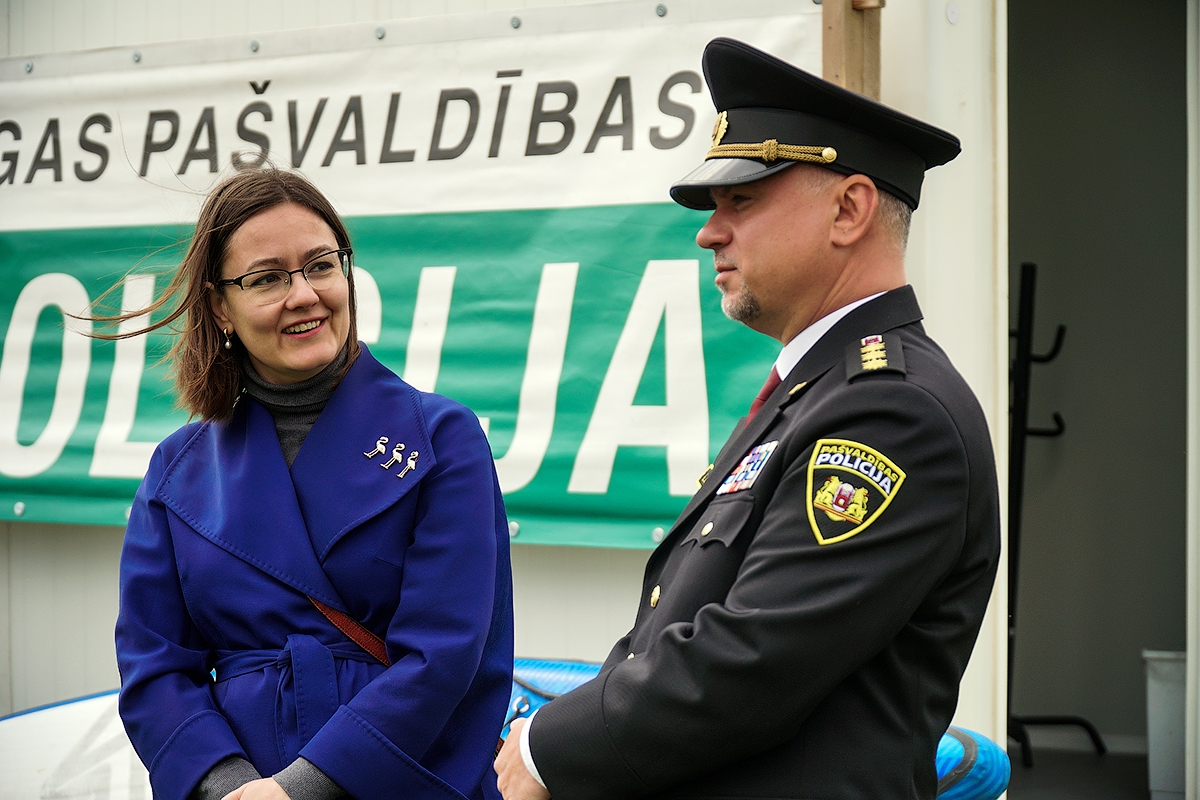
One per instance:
(635,381)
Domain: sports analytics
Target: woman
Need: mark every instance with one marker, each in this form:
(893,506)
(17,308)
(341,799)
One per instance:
(318,502)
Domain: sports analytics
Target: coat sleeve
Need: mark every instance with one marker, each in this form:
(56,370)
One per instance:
(453,622)
(165,702)
(743,674)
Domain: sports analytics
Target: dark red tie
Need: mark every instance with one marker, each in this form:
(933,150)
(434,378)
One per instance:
(771,385)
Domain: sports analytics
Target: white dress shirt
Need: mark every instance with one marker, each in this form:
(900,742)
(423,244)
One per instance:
(803,341)
(527,756)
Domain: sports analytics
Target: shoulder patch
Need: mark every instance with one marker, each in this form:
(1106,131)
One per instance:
(878,353)
(849,487)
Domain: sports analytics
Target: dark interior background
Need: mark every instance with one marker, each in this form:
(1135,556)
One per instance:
(1097,177)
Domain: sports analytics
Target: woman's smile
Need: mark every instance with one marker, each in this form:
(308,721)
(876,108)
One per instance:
(303,327)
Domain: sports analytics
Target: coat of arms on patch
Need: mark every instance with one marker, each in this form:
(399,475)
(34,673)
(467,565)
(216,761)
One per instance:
(849,486)
(841,500)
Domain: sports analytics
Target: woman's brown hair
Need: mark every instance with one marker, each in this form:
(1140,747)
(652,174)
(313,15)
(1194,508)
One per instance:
(208,377)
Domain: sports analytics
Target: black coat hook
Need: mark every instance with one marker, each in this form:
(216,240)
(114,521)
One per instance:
(1059,336)
(1057,430)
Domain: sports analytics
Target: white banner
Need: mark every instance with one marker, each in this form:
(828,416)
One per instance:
(575,107)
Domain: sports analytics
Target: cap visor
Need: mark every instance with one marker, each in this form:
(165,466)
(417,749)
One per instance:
(692,190)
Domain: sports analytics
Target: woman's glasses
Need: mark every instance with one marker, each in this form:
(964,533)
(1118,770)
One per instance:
(267,286)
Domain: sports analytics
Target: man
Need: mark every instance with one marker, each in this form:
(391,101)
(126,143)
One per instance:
(804,626)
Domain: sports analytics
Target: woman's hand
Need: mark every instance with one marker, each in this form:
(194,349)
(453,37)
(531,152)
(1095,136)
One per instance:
(261,789)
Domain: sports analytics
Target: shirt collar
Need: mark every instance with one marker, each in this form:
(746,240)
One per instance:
(799,346)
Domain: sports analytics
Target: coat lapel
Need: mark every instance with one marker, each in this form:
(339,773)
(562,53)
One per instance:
(338,486)
(745,437)
(231,485)
(897,307)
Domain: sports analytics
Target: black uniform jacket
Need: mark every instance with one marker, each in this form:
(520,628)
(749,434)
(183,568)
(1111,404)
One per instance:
(804,626)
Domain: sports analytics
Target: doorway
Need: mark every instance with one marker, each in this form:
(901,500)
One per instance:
(1098,200)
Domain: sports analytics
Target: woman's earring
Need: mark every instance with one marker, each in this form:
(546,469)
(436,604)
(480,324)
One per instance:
(228,344)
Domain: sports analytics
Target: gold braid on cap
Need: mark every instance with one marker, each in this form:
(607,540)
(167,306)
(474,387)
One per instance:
(771,150)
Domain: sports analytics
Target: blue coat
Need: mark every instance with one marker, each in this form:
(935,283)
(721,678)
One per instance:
(223,548)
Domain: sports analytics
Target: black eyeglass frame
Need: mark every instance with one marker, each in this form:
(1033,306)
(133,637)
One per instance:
(347,254)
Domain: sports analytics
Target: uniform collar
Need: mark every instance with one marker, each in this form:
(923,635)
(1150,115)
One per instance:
(802,342)
(883,313)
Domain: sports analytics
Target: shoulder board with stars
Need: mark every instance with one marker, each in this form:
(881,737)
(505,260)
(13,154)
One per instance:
(881,352)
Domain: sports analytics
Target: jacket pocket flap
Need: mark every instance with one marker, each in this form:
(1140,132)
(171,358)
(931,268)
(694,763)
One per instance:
(722,520)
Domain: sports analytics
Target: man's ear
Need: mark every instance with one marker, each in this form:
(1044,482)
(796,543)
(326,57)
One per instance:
(858,207)
(216,302)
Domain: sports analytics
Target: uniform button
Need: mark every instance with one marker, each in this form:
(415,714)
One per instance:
(629,656)
(654,595)
(707,529)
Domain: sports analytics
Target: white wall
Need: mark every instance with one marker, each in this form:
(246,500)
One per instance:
(953,74)
(574,602)
(6,672)
(570,602)
(58,585)
(58,605)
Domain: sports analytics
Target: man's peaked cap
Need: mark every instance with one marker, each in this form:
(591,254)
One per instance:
(772,115)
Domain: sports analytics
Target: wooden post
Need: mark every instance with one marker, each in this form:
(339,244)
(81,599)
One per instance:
(850,44)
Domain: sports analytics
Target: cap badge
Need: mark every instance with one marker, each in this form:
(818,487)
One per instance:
(719,127)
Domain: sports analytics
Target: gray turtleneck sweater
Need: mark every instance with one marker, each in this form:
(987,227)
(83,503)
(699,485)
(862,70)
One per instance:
(295,409)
